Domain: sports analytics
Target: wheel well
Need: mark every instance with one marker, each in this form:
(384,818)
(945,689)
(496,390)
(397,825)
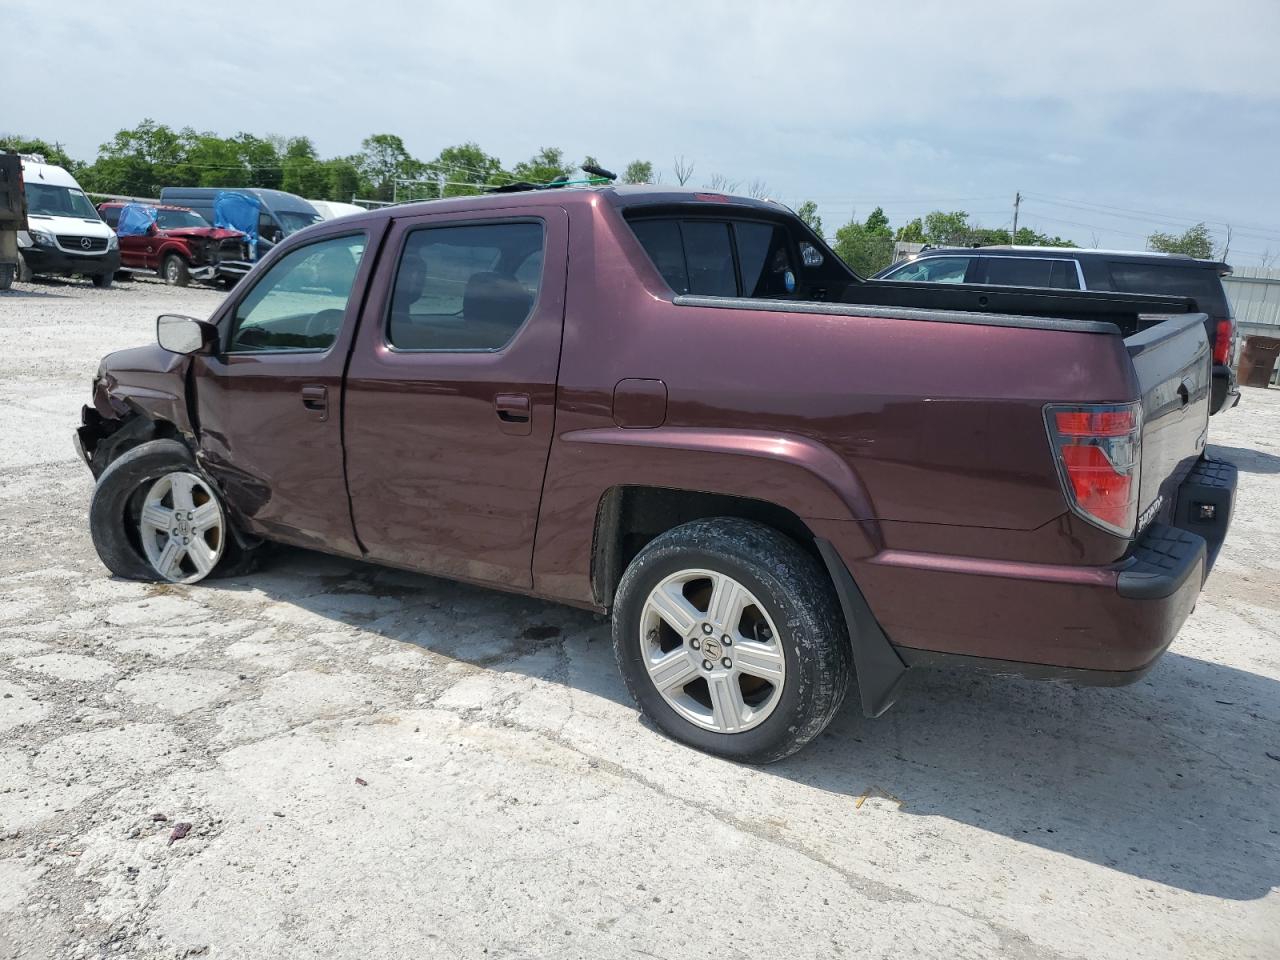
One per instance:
(629,517)
(132,432)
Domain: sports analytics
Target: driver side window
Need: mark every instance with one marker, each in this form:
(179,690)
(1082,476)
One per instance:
(300,303)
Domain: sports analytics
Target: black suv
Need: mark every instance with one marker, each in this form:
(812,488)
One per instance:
(1069,268)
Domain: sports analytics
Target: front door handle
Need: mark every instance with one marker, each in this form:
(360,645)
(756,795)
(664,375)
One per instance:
(316,399)
(515,413)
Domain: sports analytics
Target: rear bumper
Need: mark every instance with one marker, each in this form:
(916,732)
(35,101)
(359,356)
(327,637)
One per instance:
(1103,625)
(1226,393)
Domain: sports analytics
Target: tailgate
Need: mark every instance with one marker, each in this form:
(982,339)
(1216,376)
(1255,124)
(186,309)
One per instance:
(1172,362)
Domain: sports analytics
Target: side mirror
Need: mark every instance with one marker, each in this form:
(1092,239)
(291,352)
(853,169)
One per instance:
(152,229)
(179,334)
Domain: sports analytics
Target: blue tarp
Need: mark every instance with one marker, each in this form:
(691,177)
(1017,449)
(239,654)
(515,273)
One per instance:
(238,211)
(136,220)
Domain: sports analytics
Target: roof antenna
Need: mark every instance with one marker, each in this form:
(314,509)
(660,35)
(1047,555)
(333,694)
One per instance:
(597,171)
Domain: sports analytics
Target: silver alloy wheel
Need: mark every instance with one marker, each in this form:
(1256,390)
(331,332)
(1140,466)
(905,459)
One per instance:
(172,269)
(182,528)
(712,651)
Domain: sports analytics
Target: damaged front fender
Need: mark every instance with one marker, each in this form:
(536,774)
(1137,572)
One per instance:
(138,395)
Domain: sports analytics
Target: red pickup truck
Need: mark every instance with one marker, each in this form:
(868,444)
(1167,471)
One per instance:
(180,246)
(678,406)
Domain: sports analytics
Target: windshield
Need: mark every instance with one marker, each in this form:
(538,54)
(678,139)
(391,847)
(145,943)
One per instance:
(293,221)
(47,200)
(175,219)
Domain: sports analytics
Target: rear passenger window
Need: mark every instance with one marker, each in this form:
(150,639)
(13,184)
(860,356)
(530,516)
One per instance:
(1064,275)
(698,256)
(1018,272)
(465,287)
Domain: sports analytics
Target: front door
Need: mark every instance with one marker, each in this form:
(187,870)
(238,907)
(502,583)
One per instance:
(270,403)
(450,396)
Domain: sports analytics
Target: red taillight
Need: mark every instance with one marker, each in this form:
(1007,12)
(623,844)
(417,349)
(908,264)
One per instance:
(1224,335)
(1097,448)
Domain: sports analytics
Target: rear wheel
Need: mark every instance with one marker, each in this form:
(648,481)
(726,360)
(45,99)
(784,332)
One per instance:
(174,271)
(730,639)
(154,517)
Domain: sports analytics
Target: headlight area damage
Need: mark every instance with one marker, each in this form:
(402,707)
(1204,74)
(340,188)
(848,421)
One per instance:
(138,395)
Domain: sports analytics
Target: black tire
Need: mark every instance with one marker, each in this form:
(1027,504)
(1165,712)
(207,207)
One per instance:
(800,600)
(102,280)
(7,273)
(113,512)
(174,271)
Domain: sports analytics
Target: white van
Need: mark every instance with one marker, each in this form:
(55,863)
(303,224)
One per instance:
(64,234)
(331,209)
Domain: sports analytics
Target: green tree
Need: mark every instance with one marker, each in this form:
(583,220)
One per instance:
(867,247)
(543,167)
(639,171)
(911,232)
(382,161)
(138,162)
(1194,242)
(52,152)
(342,180)
(878,224)
(465,169)
(947,228)
(808,212)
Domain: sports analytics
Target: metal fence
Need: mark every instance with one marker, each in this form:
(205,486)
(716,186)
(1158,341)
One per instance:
(1255,297)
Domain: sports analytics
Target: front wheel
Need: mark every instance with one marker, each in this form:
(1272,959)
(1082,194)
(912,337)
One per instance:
(102,280)
(154,517)
(175,271)
(730,638)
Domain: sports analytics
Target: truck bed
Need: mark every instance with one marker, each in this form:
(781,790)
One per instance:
(1129,313)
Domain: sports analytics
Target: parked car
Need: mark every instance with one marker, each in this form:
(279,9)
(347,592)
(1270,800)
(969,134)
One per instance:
(65,236)
(332,209)
(1070,268)
(176,244)
(13,216)
(672,406)
(280,215)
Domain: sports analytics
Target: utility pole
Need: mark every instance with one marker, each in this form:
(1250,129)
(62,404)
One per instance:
(1013,234)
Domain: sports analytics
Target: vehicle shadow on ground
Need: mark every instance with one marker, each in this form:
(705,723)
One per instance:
(1246,458)
(23,294)
(1168,780)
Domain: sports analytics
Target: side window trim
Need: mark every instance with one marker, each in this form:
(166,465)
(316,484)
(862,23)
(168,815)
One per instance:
(396,257)
(232,314)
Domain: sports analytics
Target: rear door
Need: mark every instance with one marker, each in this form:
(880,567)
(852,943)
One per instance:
(269,403)
(450,396)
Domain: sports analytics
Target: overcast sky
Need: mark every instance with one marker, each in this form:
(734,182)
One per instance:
(1112,118)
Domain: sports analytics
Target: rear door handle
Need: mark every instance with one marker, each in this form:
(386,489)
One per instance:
(316,399)
(515,413)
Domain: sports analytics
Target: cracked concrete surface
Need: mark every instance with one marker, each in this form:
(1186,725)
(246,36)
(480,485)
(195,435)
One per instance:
(377,764)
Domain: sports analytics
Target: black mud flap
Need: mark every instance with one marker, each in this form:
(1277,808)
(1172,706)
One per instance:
(879,669)
(1205,502)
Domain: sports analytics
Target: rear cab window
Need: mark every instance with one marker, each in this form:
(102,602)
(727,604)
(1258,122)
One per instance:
(722,258)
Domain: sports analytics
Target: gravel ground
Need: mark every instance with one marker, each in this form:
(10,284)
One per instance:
(376,764)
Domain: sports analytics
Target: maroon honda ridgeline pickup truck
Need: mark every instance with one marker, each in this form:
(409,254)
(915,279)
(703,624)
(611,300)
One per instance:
(683,408)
